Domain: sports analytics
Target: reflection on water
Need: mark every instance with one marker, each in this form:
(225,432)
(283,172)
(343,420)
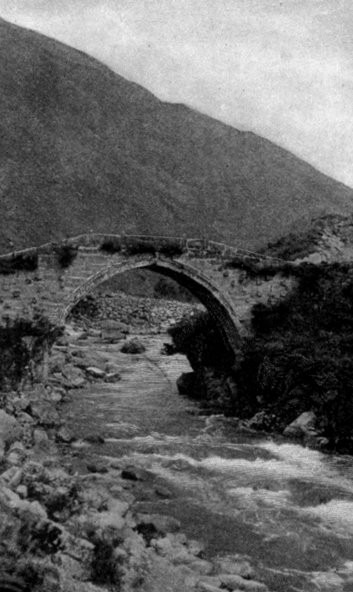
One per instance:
(287,507)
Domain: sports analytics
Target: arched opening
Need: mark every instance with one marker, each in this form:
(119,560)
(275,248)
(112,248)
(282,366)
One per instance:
(217,304)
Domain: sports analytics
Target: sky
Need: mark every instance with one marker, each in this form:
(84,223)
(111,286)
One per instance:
(280,68)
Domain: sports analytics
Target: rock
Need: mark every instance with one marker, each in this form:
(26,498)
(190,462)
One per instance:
(163,492)
(95,372)
(97,466)
(17,454)
(57,395)
(22,491)
(74,376)
(235,582)
(134,346)
(168,349)
(15,458)
(202,566)
(209,584)
(233,565)
(10,583)
(95,439)
(64,435)
(25,418)
(41,439)
(83,336)
(72,567)
(12,476)
(46,413)
(260,421)
(186,383)
(114,331)
(10,429)
(2,450)
(135,473)
(161,524)
(302,426)
(112,377)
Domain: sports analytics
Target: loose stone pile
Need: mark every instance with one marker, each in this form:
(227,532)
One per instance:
(144,314)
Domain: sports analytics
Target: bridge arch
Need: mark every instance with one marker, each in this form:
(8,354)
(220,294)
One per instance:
(183,272)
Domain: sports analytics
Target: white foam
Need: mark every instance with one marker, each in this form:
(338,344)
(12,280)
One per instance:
(336,514)
(327,581)
(266,496)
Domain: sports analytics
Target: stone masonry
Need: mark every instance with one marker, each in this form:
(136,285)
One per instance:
(51,289)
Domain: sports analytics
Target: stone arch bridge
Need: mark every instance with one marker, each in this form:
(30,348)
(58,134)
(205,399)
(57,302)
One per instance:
(49,280)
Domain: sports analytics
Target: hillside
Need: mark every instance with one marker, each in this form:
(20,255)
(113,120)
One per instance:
(81,149)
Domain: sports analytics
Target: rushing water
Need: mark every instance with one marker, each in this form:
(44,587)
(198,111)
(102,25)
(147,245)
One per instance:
(288,508)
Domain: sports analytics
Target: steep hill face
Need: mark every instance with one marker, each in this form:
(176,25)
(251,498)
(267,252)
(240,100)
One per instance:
(82,149)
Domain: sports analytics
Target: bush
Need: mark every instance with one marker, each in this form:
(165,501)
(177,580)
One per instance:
(299,357)
(66,254)
(22,345)
(23,262)
(87,308)
(199,339)
(111,246)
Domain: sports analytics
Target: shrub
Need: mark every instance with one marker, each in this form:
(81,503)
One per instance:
(199,339)
(22,262)
(139,247)
(111,245)
(66,254)
(299,357)
(21,347)
(87,308)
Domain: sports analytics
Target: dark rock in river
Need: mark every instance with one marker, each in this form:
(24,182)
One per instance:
(134,346)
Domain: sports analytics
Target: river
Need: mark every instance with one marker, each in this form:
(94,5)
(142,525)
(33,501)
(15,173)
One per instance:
(287,508)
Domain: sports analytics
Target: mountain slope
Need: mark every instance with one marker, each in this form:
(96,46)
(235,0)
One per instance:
(81,149)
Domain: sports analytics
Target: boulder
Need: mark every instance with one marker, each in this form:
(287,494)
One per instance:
(74,376)
(46,413)
(135,474)
(236,566)
(10,429)
(186,383)
(98,466)
(159,523)
(236,583)
(95,372)
(133,346)
(94,439)
(112,377)
(64,435)
(302,426)
(206,587)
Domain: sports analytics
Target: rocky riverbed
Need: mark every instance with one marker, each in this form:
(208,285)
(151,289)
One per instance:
(69,518)
(110,480)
